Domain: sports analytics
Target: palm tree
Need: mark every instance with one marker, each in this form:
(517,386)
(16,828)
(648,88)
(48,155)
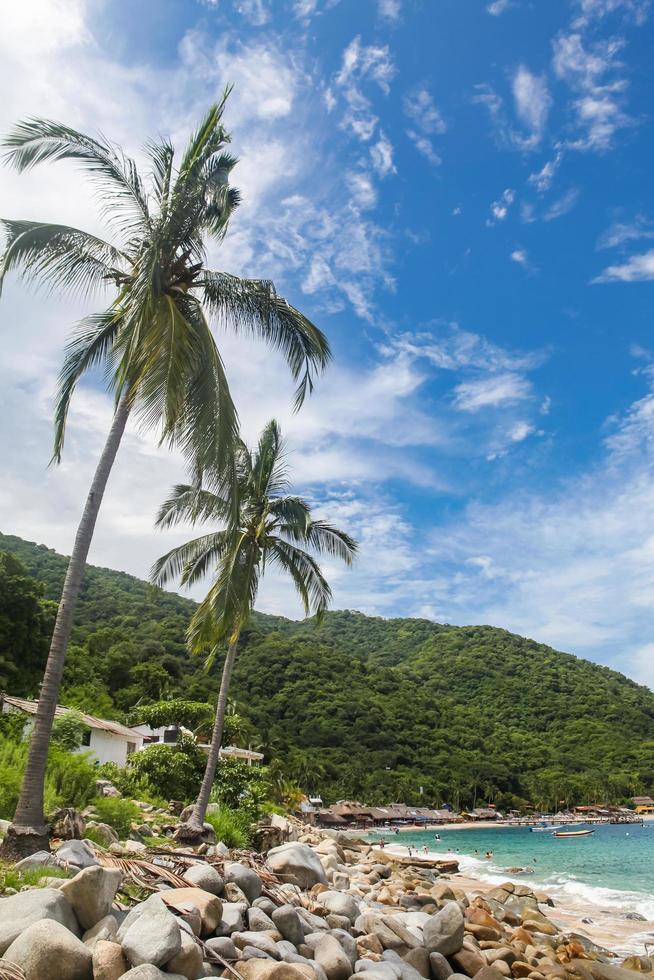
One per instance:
(263,526)
(153,340)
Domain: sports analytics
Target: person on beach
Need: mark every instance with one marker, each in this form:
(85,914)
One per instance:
(425,849)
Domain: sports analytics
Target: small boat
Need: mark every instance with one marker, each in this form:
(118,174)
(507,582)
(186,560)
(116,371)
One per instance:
(547,827)
(573,833)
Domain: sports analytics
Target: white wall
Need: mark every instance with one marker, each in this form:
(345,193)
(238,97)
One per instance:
(109,748)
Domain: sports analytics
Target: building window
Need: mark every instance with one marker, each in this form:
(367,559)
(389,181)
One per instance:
(170,735)
(86,737)
(131,747)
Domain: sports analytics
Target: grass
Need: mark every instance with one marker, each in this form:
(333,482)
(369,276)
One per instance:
(119,814)
(10,878)
(231,826)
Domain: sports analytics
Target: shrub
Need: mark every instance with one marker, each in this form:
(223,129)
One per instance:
(242,788)
(10,878)
(174,772)
(68,731)
(232,827)
(69,780)
(119,814)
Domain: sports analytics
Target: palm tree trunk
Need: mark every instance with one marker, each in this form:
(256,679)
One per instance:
(196,822)
(28,831)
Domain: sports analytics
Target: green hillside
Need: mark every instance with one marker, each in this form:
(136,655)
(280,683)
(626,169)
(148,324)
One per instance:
(366,707)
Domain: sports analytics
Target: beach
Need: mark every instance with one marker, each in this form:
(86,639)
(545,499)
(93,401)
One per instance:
(598,913)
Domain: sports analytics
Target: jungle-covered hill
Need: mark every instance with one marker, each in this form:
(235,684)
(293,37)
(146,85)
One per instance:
(361,707)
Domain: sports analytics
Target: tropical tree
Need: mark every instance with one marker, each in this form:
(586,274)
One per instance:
(262,526)
(153,339)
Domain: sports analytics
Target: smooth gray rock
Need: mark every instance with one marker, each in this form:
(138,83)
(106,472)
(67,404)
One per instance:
(154,937)
(106,834)
(41,859)
(206,877)
(265,904)
(330,955)
(258,921)
(77,854)
(106,929)
(348,944)
(91,893)
(254,953)
(388,971)
(149,972)
(340,904)
(257,939)
(289,923)
(224,946)
(233,919)
(46,950)
(23,910)
(444,931)
(419,960)
(297,864)
(188,961)
(246,879)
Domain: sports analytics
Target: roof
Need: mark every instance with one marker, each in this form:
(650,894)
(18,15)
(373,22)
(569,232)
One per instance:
(113,727)
(236,753)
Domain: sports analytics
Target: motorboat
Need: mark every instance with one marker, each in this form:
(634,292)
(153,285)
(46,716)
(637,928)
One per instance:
(545,829)
(573,833)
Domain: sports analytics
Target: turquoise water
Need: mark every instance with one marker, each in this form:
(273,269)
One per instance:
(613,868)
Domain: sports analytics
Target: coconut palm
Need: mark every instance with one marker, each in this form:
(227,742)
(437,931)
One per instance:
(262,527)
(152,340)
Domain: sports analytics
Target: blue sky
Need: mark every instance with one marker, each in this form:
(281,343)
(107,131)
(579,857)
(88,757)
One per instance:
(458,193)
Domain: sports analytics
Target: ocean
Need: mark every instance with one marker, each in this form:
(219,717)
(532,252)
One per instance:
(613,869)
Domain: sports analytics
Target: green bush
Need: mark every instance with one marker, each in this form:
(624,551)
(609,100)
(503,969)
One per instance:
(174,772)
(232,827)
(240,787)
(119,814)
(69,730)
(69,779)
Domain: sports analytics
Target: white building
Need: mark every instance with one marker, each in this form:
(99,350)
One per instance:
(107,741)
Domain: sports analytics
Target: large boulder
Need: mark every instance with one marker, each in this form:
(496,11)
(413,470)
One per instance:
(331,956)
(149,972)
(188,962)
(153,936)
(206,877)
(109,961)
(105,929)
(340,904)
(444,931)
(77,854)
(247,880)
(257,969)
(288,922)
(233,919)
(91,893)
(105,834)
(296,864)
(40,859)
(23,910)
(209,906)
(46,950)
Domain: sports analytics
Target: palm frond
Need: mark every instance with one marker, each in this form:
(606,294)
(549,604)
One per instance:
(89,346)
(291,512)
(269,471)
(190,562)
(252,306)
(305,572)
(34,141)
(58,256)
(323,538)
(193,503)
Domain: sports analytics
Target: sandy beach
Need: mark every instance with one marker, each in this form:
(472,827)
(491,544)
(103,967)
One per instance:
(606,927)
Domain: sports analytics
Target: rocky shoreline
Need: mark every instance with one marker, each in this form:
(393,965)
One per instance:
(319,906)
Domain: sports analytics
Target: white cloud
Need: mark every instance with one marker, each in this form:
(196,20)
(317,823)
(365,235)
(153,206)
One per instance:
(362,64)
(382,157)
(421,109)
(255,11)
(637,9)
(500,209)
(597,105)
(491,392)
(498,7)
(621,232)
(638,268)
(389,9)
(521,431)
(424,146)
(520,257)
(542,179)
(362,189)
(562,206)
(532,104)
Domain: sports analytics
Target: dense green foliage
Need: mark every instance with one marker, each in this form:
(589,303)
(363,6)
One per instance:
(232,827)
(372,708)
(70,779)
(173,772)
(26,622)
(119,814)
